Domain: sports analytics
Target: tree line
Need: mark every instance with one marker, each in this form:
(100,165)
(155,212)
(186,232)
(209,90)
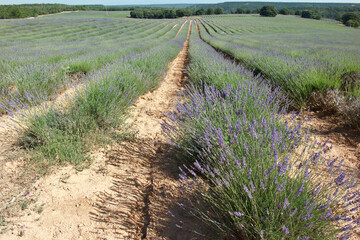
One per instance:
(325,10)
(33,10)
(159,13)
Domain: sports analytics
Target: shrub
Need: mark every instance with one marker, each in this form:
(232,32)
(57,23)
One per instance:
(352,23)
(298,12)
(350,16)
(284,11)
(240,10)
(248,174)
(313,14)
(268,11)
(219,10)
(210,11)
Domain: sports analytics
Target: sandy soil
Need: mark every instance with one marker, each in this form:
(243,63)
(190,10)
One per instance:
(125,194)
(16,176)
(344,139)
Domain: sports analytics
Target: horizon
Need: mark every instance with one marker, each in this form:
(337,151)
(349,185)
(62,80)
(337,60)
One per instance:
(157,2)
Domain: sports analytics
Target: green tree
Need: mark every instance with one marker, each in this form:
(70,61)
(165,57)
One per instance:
(180,12)
(240,11)
(200,11)
(284,11)
(15,12)
(219,10)
(187,11)
(314,14)
(170,13)
(352,23)
(137,14)
(210,11)
(350,19)
(268,11)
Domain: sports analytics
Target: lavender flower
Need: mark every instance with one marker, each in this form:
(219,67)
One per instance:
(285,229)
(293,212)
(239,214)
(286,204)
(248,192)
(300,190)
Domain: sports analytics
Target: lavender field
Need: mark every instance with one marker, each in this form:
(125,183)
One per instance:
(247,166)
(307,59)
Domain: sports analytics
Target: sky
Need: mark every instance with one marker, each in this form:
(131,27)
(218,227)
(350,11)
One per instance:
(134,2)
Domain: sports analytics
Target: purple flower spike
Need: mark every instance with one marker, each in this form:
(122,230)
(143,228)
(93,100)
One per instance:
(285,229)
(286,204)
(239,214)
(300,190)
(248,192)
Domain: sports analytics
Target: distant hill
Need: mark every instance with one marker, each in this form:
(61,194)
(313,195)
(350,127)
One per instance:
(180,5)
(326,10)
(229,6)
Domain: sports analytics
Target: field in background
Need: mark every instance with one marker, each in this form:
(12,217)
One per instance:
(45,54)
(92,14)
(299,55)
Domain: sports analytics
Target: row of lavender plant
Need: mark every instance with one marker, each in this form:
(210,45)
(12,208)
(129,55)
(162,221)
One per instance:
(299,69)
(64,134)
(24,67)
(248,171)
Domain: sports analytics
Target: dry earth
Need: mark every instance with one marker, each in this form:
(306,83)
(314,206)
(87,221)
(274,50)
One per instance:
(343,139)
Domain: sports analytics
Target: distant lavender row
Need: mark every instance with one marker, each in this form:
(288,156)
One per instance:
(251,172)
(42,54)
(298,59)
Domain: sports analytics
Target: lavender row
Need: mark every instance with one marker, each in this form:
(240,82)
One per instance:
(62,133)
(250,170)
(299,60)
(26,69)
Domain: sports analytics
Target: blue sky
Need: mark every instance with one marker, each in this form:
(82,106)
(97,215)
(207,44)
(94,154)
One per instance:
(133,2)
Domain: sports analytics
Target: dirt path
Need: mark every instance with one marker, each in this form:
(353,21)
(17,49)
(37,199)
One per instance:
(127,191)
(171,29)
